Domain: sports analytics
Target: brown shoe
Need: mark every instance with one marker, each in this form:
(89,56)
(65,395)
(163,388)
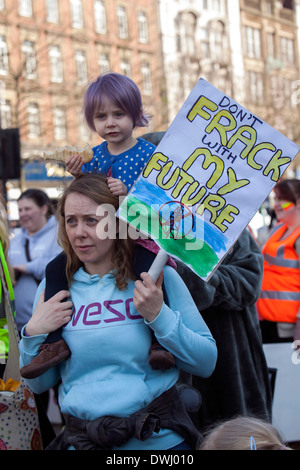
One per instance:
(50,354)
(160,358)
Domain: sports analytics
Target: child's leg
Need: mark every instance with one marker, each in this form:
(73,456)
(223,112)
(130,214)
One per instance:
(56,280)
(159,358)
(54,350)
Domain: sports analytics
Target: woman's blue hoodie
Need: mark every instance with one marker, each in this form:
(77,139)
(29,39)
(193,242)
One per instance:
(108,372)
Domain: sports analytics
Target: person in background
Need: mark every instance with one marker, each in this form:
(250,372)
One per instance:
(29,253)
(109,394)
(31,250)
(240,383)
(243,433)
(278,305)
(4,240)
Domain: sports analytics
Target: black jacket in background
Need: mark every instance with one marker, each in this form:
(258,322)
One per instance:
(240,383)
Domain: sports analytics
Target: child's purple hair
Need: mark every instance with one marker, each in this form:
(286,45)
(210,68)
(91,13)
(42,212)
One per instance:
(122,91)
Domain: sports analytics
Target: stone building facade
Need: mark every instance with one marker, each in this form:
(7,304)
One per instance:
(246,48)
(51,49)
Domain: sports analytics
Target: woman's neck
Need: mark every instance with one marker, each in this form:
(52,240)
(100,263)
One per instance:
(36,230)
(291,226)
(100,269)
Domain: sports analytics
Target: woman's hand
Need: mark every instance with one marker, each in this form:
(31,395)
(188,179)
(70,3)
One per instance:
(74,164)
(148,296)
(51,315)
(20,269)
(116,186)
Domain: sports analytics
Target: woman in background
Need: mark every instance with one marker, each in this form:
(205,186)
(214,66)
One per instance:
(31,249)
(279,301)
(29,253)
(4,241)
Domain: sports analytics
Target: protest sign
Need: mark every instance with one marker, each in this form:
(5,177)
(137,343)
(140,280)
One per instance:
(208,176)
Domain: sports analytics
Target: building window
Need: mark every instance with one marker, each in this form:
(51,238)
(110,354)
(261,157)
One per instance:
(76,12)
(142,27)
(252,42)
(288,4)
(271,45)
(30,59)
(59,124)
(269,7)
(3,56)
(125,67)
(52,11)
(146,78)
(287,51)
(85,133)
(186,25)
(288,91)
(56,67)
(214,42)
(205,48)
(255,87)
(281,92)
(103,62)
(217,41)
(216,5)
(34,129)
(122,22)
(100,17)
(6,121)
(25,8)
(81,67)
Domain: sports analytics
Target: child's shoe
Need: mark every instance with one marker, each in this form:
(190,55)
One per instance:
(50,354)
(160,358)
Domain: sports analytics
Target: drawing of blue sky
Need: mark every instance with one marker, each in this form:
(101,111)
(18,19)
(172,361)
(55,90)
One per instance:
(152,194)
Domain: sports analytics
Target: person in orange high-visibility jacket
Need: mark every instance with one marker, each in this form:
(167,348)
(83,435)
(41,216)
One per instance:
(278,305)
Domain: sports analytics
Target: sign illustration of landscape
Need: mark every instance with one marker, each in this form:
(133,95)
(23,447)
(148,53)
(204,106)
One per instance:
(208,176)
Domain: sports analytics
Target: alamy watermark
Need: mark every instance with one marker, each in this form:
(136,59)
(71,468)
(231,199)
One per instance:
(295,95)
(169,221)
(296,352)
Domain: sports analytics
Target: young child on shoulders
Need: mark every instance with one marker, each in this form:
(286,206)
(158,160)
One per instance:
(113,109)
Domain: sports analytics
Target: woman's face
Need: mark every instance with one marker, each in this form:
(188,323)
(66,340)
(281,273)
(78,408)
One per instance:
(32,217)
(285,210)
(81,222)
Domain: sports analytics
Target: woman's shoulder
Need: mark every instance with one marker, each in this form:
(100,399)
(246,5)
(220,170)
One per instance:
(50,227)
